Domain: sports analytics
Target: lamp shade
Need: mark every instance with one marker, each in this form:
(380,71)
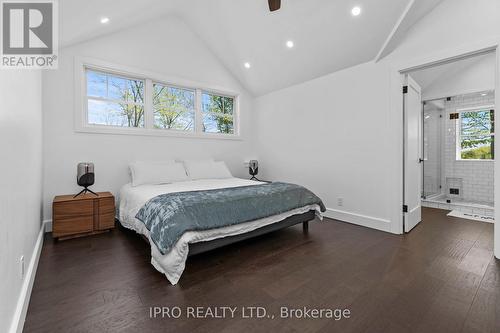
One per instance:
(253,167)
(85,177)
(85,174)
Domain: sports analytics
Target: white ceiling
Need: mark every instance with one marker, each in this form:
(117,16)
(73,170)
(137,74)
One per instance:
(415,11)
(327,37)
(80,20)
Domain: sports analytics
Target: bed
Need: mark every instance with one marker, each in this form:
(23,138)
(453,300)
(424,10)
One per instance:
(171,262)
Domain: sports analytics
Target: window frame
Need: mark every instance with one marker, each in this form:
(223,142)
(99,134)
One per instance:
(81,102)
(458,156)
(203,91)
(194,90)
(112,100)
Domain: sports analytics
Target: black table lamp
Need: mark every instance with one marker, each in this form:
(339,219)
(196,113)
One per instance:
(253,169)
(85,177)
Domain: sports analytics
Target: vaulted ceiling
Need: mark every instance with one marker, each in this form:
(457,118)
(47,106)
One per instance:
(326,36)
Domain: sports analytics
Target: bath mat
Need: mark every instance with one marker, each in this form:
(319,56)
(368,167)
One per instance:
(470,216)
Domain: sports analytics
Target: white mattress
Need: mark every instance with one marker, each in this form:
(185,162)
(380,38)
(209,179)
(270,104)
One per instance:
(172,264)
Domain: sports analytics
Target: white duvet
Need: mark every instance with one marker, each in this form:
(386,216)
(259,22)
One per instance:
(172,263)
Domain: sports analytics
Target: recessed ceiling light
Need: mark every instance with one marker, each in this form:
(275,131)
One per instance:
(356,11)
(290,44)
(247,65)
(104,20)
(484,94)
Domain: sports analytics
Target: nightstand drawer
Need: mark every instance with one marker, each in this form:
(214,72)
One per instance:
(73,209)
(106,221)
(107,206)
(70,226)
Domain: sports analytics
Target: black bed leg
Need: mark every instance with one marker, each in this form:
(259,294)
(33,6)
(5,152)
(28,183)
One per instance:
(305,226)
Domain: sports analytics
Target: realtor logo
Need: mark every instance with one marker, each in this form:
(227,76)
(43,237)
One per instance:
(29,34)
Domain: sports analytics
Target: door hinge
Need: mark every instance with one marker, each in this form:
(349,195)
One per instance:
(405,89)
(405,208)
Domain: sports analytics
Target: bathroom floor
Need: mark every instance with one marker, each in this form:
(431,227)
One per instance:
(465,206)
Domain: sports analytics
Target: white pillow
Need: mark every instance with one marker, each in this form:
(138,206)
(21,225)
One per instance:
(188,164)
(207,170)
(138,167)
(157,173)
(205,160)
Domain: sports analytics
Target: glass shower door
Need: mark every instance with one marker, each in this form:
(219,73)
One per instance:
(432,115)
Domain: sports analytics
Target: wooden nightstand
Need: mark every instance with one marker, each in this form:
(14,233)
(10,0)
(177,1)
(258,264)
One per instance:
(82,216)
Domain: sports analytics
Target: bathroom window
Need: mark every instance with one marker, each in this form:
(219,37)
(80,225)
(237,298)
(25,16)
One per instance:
(476,134)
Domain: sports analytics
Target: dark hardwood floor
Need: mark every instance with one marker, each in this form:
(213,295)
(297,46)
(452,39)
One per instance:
(442,277)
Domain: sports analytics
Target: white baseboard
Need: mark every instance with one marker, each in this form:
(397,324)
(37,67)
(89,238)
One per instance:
(48,225)
(358,219)
(24,297)
(362,220)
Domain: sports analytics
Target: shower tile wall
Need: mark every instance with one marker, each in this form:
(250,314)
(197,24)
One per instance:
(477,176)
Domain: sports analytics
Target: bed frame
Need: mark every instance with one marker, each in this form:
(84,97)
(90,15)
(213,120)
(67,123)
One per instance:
(197,248)
(201,247)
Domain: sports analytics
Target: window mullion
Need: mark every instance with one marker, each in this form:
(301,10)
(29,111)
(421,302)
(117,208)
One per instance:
(236,115)
(198,117)
(110,100)
(148,104)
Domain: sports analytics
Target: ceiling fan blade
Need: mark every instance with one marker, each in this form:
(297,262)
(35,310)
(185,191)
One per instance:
(274,5)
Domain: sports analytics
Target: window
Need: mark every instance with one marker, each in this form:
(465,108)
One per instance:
(217,113)
(476,135)
(174,108)
(125,102)
(114,101)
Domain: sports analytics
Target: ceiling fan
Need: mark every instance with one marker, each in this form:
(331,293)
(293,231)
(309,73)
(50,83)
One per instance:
(274,5)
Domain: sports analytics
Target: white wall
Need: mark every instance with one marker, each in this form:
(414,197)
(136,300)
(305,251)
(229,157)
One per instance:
(20,181)
(327,135)
(165,46)
(354,144)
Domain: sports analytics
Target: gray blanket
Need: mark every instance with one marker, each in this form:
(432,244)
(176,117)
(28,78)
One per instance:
(169,216)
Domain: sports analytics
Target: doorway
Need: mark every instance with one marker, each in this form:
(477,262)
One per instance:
(449,138)
(459,141)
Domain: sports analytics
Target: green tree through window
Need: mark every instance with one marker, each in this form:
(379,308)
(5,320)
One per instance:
(477,135)
(218,114)
(134,92)
(114,101)
(173,108)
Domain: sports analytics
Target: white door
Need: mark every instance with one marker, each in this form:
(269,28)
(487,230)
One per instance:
(412,154)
